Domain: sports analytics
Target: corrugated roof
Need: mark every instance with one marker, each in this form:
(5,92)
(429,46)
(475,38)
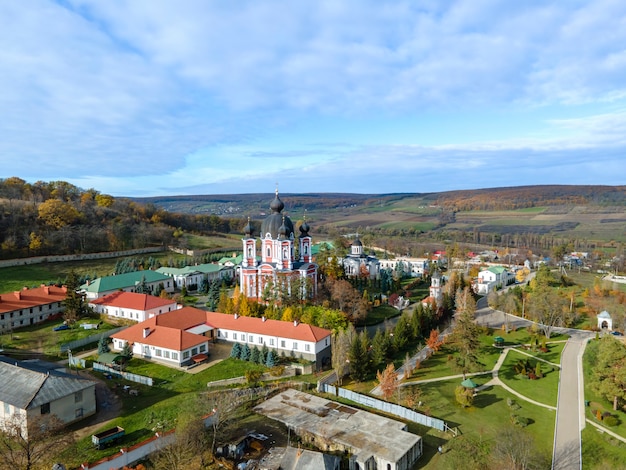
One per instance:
(25,388)
(133,300)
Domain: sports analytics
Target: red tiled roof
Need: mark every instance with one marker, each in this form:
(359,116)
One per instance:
(188,317)
(161,336)
(283,329)
(133,301)
(27,298)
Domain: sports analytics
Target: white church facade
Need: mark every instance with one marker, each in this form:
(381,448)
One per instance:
(277,267)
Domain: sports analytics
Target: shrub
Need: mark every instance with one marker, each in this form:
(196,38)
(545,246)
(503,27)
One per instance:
(253,376)
(512,404)
(277,371)
(611,421)
(519,421)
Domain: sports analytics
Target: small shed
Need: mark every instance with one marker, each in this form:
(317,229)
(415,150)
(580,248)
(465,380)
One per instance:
(605,322)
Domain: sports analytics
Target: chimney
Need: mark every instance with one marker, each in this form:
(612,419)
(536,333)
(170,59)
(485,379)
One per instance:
(46,290)
(18,295)
(146,332)
(263,318)
(236,316)
(295,323)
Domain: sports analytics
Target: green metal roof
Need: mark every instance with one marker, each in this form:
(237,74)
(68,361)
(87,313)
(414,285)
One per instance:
(121,281)
(497,269)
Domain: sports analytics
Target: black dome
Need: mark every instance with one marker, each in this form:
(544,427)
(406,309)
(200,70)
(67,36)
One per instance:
(274,222)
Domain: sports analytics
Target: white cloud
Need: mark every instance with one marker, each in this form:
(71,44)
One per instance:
(96,90)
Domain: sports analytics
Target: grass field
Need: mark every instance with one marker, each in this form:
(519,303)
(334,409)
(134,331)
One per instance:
(544,390)
(489,414)
(33,275)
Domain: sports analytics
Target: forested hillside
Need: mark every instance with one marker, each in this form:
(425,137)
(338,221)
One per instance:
(58,218)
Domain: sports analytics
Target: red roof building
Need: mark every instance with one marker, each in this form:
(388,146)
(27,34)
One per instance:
(30,306)
(175,337)
(132,306)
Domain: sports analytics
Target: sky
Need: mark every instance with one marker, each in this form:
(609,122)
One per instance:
(157,97)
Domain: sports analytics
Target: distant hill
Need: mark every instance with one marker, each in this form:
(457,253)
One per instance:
(531,216)
(461,200)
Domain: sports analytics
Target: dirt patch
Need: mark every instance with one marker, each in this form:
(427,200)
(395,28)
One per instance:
(108,406)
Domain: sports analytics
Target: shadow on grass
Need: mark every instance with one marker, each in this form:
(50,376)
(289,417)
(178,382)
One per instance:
(484,399)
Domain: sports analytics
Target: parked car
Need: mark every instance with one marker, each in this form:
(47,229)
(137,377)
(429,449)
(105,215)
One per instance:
(61,327)
(617,333)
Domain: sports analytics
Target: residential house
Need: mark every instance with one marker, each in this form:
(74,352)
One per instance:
(127,282)
(494,277)
(30,306)
(30,389)
(176,337)
(132,305)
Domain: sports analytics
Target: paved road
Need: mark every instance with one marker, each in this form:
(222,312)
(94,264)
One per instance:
(570,414)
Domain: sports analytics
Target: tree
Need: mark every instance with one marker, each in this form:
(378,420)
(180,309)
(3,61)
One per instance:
(401,334)
(57,214)
(254,354)
(271,358)
(609,371)
(515,449)
(235,351)
(244,355)
(388,381)
(464,396)
(358,356)
(126,353)
(341,342)
(103,345)
(548,308)
(381,347)
(433,341)
(465,335)
(32,445)
(189,448)
(74,303)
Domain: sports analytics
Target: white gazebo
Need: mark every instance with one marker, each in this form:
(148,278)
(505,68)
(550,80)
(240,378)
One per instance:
(605,321)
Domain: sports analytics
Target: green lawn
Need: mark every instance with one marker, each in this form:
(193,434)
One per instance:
(601,451)
(42,338)
(486,417)
(597,402)
(544,390)
(379,314)
(174,393)
(33,275)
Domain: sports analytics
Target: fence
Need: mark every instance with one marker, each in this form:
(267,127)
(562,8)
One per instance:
(88,340)
(386,407)
(126,375)
(80,257)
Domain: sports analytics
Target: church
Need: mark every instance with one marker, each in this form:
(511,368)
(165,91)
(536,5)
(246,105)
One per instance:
(276,268)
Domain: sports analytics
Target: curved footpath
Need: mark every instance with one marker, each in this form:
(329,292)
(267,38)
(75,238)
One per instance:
(570,409)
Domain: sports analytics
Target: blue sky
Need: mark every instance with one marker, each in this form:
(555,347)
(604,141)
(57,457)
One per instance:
(151,97)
